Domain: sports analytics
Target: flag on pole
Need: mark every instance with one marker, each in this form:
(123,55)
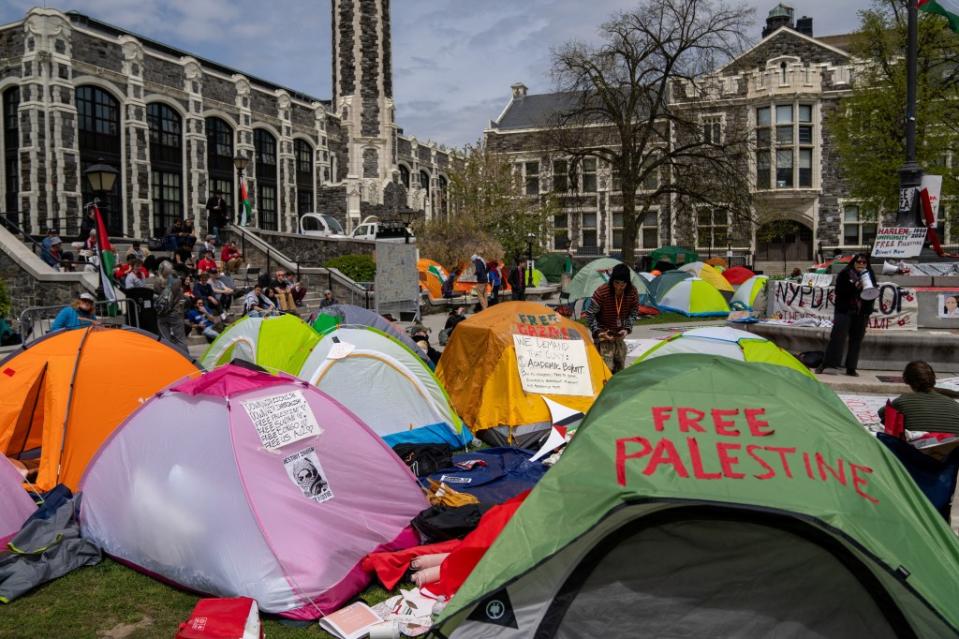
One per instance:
(107,259)
(245,202)
(949,9)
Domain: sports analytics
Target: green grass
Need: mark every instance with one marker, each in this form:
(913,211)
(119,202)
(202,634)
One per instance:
(91,602)
(672,318)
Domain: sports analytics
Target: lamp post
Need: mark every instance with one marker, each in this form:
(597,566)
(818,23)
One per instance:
(530,238)
(910,173)
(102,177)
(240,161)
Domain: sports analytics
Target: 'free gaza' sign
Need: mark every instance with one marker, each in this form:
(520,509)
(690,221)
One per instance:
(729,444)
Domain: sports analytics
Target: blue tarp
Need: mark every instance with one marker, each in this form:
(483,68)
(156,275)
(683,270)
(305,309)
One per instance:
(507,472)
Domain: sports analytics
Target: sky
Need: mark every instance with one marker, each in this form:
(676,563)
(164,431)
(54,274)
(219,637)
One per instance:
(453,60)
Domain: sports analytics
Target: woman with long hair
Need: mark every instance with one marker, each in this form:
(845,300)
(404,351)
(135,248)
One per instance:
(850,316)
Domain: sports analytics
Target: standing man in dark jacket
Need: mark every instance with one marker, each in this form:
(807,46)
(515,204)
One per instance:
(517,280)
(479,265)
(216,215)
(850,317)
(611,313)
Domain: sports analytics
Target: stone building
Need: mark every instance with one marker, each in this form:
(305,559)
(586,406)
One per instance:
(782,91)
(76,91)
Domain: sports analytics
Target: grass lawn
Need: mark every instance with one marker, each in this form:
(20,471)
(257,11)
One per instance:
(110,601)
(674,318)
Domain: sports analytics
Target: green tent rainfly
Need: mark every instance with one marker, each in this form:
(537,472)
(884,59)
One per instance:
(704,496)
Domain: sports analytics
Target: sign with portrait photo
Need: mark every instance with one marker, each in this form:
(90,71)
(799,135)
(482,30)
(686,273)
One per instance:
(304,470)
(947,305)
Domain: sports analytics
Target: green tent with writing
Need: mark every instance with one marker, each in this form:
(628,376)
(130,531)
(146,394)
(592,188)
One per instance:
(707,497)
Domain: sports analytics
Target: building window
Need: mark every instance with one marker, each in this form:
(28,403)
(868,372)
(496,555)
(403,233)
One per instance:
(561,232)
(98,127)
(165,134)
(11,153)
(858,226)
(219,158)
(647,231)
(303,155)
(443,203)
(789,142)
(425,181)
(651,180)
(588,168)
(266,178)
(225,187)
(713,129)
(167,200)
(712,228)
(405,176)
(563,181)
(588,230)
(531,176)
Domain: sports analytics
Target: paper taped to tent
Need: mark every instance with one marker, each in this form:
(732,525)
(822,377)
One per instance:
(501,363)
(53,411)
(240,483)
(748,504)
(331,317)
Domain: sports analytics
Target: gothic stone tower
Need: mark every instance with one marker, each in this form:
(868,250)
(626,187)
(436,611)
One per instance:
(363,97)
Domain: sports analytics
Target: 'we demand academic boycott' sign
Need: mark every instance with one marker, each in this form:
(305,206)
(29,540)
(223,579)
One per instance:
(729,444)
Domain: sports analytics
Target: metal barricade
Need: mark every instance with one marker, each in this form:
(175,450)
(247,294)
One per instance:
(35,321)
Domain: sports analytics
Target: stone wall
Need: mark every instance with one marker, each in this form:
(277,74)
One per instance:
(26,291)
(786,43)
(310,251)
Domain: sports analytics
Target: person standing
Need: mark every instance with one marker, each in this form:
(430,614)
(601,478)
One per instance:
(850,317)
(517,279)
(216,214)
(610,316)
(495,277)
(479,266)
(171,307)
(567,275)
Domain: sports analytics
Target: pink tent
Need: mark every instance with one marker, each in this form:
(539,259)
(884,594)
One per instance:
(239,483)
(15,503)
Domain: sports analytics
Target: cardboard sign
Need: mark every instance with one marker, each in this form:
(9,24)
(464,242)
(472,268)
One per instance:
(282,419)
(553,366)
(896,308)
(899,241)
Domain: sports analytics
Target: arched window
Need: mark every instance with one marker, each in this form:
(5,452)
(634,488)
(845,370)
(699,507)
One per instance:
(166,166)
(98,125)
(425,181)
(11,152)
(303,153)
(443,203)
(219,159)
(405,176)
(265,145)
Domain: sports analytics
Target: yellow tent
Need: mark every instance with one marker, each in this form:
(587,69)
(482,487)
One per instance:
(480,372)
(710,274)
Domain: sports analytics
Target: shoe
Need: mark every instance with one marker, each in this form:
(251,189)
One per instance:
(852,373)
(820,370)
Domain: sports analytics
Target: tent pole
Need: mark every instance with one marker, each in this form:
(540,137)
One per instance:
(66,415)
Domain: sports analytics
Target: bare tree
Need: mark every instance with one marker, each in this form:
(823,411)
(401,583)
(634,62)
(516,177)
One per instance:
(628,102)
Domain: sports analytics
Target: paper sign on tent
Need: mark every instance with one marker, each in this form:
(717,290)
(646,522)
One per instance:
(553,366)
(339,350)
(282,419)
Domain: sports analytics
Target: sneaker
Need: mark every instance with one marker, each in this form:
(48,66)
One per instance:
(852,373)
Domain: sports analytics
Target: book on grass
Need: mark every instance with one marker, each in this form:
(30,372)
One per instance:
(351,622)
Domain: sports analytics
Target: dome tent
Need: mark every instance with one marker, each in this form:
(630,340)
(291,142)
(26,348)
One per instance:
(479,368)
(330,317)
(62,395)
(693,297)
(275,342)
(241,483)
(15,504)
(660,523)
(725,342)
(673,255)
(745,296)
(385,384)
(432,275)
(595,274)
(737,275)
(665,281)
(710,274)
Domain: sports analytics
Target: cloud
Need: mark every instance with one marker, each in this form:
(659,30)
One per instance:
(453,60)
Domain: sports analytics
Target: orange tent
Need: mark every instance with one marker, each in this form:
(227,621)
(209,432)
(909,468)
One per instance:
(481,374)
(432,276)
(63,395)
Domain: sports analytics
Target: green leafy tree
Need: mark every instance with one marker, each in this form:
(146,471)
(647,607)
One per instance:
(493,211)
(869,125)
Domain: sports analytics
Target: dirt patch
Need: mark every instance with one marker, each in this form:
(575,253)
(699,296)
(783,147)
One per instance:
(124,630)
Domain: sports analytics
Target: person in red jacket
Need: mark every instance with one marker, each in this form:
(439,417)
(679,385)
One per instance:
(206,264)
(610,315)
(231,257)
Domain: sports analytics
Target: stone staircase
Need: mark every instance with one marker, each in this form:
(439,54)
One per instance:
(776,267)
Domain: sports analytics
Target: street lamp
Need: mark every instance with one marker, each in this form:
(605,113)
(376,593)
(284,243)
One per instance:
(240,161)
(910,173)
(530,238)
(102,177)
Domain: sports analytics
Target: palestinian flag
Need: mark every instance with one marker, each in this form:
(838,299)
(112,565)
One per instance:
(946,8)
(245,201)
(108,260)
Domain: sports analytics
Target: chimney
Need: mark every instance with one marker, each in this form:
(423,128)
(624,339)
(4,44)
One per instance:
(519,91)
(804,26)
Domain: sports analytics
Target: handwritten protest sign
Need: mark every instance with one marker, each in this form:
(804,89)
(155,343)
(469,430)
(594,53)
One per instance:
(896,308)
(553,366)
(282,419)
(899,241)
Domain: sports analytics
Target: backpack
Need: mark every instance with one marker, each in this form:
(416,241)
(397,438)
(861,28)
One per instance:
(164,303)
